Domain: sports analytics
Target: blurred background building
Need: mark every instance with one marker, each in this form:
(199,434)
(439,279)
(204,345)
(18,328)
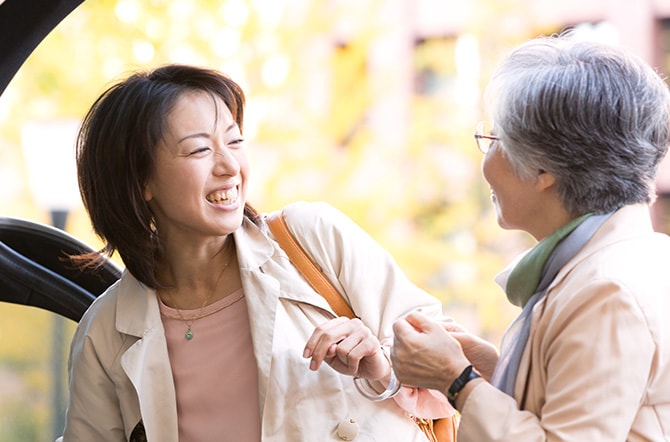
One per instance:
(367,104)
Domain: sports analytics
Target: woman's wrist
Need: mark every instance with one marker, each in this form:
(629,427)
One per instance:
(458,387)
(463,396)
(386,351)
(393,385)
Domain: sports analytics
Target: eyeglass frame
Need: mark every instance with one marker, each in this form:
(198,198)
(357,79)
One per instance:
(480,135)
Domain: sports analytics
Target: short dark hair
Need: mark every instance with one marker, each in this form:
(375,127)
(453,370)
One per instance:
(116,153)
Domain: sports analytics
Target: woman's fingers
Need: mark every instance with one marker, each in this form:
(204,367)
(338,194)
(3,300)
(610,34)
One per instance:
(325,340)
(342,343)
(324,336)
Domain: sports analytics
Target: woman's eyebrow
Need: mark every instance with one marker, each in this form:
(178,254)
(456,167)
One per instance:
(205,134)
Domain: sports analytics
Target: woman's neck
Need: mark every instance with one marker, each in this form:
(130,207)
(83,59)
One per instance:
(191,278)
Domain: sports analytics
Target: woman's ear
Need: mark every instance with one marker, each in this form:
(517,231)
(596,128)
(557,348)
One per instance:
(544,181)
(147,193)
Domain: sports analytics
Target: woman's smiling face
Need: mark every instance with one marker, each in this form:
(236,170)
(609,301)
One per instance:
(198,187)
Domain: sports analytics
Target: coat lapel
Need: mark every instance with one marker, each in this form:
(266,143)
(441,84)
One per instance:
(267,278)
(146,361)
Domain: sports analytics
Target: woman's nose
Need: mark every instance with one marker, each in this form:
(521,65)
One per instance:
(225,163)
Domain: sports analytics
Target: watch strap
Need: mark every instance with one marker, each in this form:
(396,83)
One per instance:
(466,376)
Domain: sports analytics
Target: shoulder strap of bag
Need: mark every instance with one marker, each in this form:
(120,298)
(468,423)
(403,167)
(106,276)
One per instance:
(439,430)
(306,266)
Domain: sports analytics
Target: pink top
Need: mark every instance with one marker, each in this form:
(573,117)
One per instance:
(215,372)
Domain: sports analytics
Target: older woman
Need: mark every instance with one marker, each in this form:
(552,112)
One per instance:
(578,132)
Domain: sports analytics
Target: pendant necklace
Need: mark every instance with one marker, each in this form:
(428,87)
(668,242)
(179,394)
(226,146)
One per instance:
(189,322)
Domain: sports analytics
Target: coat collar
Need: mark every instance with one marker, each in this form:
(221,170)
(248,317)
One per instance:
(628,222)
(267,278)
(258,253)
(137,307)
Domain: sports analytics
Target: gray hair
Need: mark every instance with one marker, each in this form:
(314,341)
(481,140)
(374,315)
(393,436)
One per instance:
(595,117)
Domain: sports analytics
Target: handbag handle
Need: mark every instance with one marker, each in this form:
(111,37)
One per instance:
(301,261)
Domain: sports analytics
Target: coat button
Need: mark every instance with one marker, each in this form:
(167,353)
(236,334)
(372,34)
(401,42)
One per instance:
(348,429)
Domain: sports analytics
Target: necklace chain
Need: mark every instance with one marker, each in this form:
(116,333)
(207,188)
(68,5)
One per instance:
(189,333)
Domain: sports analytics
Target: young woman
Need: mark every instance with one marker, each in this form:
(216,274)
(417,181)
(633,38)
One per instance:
(211,334)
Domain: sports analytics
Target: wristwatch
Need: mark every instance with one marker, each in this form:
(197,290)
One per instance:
(466,376)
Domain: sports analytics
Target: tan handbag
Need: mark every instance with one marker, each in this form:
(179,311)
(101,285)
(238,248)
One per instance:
(436,430)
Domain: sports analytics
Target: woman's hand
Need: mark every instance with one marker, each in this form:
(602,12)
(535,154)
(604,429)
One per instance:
(482,354)
(425,354)
(349,347)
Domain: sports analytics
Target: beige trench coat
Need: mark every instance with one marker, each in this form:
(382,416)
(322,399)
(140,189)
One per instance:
(597,366)
(119,367)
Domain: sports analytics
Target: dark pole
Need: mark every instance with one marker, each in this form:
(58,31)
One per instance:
(58,220)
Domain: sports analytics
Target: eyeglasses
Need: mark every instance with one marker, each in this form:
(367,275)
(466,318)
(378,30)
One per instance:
(483,136)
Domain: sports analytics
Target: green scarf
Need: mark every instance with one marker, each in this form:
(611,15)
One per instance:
(526,275)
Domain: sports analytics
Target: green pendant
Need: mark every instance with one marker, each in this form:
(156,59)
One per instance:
(188,335)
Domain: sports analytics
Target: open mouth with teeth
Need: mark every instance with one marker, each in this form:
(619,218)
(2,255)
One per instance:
(223,196)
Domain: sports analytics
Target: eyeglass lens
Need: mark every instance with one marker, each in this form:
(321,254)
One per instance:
(483,136)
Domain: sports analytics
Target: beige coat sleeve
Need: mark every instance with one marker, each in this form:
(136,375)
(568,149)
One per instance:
(363,271)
